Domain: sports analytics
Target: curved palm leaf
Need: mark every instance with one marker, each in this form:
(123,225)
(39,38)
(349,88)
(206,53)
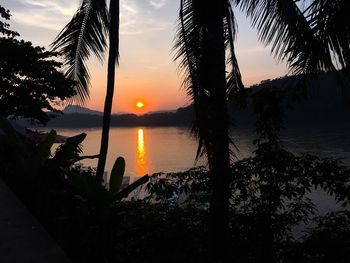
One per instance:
(234,80)
(191,50)
(69,150)
(330,19)
(83,35)
(292,32)
(188,51)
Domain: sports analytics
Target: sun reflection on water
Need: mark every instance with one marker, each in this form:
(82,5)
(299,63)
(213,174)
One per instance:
(141,163)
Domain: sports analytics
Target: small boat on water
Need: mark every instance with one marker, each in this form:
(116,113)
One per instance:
(31,135)
(37,136)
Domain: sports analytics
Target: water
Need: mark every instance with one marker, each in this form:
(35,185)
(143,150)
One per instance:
(146,150)
(170,149)
(330,141)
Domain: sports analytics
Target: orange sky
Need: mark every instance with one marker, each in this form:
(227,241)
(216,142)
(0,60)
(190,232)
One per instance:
(147,72)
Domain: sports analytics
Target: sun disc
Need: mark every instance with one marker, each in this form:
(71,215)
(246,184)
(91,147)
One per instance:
(140,104)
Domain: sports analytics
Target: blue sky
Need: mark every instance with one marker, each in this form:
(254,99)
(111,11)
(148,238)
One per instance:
(146,70)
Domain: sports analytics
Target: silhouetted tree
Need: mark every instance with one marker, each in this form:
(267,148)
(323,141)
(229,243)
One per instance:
(86,33)
(31,84)
(112,60)
(206,31)
(4,27)
(306,39)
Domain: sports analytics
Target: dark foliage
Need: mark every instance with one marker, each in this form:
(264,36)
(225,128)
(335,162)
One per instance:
(30,83)
(311,36)
(269,191)
(4,27)
(76,209)
(268,197)
(328,241)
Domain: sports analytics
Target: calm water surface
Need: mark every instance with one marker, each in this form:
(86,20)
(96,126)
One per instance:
(146,150)
(171,149)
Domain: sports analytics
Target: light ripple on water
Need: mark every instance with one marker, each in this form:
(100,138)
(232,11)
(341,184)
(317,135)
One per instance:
(171,149)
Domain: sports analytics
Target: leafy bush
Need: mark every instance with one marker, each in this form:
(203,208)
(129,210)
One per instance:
(31,84)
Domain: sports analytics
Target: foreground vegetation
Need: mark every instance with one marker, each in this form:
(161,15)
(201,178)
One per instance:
(268,197)
(242,210)
(166,217)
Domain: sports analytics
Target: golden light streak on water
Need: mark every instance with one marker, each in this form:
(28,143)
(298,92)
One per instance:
(141,163)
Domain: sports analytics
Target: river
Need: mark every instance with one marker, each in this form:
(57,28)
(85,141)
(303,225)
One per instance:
(169,149)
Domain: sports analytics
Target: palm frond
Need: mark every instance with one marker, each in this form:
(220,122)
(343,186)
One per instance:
(191,49)
(292,33)
(69,150)
(330,20)
(188,50)
(83,35)
(234,78)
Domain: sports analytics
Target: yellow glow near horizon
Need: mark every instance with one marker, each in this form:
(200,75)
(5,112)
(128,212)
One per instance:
(146,71)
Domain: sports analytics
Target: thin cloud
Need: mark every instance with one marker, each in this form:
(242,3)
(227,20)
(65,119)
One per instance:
(136,16)
(36,3)
(157,3)
(257,49)
(52,15)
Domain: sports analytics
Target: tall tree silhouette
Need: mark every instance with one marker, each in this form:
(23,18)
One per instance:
(87,33)
(310,41)
(31,83)
(205,36)
(112,60)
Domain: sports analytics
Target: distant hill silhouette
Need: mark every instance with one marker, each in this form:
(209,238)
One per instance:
(76,109)
(324,104)
(179,117)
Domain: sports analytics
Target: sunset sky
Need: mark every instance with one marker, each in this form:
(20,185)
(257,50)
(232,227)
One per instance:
(147,72)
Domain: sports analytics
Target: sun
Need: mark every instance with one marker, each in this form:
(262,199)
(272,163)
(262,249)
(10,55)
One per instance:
(139,104)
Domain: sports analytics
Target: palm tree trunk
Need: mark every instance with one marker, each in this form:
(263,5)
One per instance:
(218,152)
(112,60)
(219,204)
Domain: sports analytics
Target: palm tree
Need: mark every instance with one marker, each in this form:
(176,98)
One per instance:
(311,41)
(205,35)
(112,59)
(86,33)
